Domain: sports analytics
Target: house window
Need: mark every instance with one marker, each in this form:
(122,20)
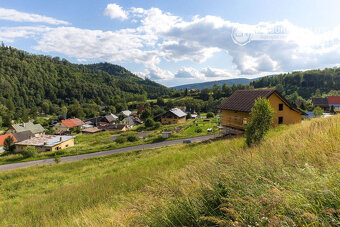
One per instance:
(280,120)
(281,107)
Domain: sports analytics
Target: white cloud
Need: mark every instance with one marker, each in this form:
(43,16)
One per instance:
(186,50)
(155,73)
(115,11)
(14,15)
(207,73)
(189,72)
(214,73)
(9,34)
(119,46)
(158,35)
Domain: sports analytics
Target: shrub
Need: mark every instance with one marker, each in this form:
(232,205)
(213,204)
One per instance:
(9,146)
(261,118)
(120,139)
(132,138)
(56,158)
(188,116)
(29,152)
(60,152)
(198,130)
(210,115)
(50,131)
(157,125)
(317,112)
(149,123)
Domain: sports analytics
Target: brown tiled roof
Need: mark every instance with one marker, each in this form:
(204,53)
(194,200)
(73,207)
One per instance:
(243,100)
(320,101)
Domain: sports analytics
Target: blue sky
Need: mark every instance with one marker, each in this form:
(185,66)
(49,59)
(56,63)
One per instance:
(178,42)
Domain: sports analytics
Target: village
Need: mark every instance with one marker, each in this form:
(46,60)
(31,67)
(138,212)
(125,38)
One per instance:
(71,136)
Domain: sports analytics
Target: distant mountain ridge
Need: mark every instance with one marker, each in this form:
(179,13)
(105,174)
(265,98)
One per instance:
(209,84)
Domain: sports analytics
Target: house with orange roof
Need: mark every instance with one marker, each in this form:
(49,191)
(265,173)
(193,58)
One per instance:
(2,140)
(67,124)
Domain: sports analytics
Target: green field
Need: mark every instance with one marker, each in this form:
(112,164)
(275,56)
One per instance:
(292,178)
(86,143)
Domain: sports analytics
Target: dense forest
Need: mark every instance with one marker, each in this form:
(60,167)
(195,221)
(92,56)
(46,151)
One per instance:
(306,84)
(30,84)
(27,80)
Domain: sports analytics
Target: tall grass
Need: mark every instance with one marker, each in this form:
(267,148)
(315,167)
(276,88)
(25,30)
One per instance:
(292,178)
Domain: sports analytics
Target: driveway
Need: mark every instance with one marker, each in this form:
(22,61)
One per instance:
(104,153)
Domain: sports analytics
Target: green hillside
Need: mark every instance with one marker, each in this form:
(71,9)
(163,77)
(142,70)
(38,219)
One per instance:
(305,83)
(26,80)
(290,179)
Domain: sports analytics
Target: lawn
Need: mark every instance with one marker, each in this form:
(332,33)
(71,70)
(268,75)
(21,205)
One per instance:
(87,143)
(291,179)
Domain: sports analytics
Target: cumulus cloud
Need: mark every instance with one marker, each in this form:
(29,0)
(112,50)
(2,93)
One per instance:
(119,46)
(184,50)
(9,34)
(213,72)
(189,72)
(203,74)
(158,35)
(14,15)
(115,11)
(155,73)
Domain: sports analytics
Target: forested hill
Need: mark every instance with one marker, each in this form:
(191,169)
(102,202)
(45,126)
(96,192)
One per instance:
(28,80)
(305,84)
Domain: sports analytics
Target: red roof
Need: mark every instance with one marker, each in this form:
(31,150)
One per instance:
(74,122)
(333,100)
(3,137)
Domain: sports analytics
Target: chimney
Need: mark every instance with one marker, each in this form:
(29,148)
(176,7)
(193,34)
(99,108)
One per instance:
(45,143)
(61,138)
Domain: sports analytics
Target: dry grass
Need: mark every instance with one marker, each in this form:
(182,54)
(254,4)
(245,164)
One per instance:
(292,178)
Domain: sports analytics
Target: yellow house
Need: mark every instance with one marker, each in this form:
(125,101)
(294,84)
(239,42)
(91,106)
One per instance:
(236,109)
(174,116)
(46,143)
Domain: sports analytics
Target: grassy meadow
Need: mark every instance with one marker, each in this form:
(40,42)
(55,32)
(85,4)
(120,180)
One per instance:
(291,178)
(88,143)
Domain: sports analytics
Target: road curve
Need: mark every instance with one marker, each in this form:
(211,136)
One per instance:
(103,153)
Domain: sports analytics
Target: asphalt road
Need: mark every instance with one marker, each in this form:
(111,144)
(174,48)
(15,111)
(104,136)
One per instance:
(103,153)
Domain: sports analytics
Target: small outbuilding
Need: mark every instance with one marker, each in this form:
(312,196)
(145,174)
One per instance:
(173,116)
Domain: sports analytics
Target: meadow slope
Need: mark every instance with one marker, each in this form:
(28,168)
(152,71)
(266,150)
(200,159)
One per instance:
(292,178)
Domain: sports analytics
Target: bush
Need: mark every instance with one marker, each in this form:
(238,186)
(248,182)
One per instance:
(29,152)
(132,138)
(120,139)
(9,146)
(56,159)
(317,112)
(157,125)
(261,118)
(50,131)
(198,130)
(188,116)
(210,115)
(149,123)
